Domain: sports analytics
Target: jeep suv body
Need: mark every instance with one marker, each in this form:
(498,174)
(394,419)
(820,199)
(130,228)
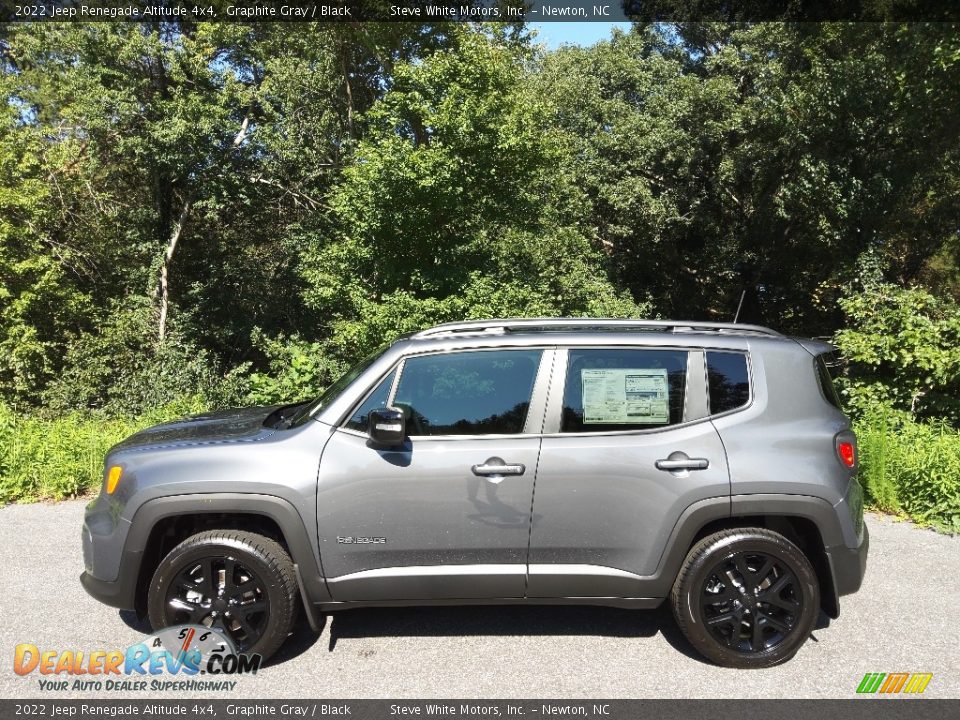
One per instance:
(583,461)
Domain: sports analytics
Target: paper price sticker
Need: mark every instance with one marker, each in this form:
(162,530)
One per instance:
(634,396)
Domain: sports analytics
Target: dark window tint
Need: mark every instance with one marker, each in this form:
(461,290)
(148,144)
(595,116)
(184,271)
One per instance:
(469,393)
(826,381)
(377,399)
(729,381)
(623,389)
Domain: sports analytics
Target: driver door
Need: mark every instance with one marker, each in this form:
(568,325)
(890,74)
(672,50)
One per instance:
(446,515)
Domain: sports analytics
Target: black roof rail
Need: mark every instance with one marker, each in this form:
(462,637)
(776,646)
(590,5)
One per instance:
(507,325)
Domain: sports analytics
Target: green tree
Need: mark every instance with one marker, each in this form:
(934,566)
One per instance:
(135,133)
(176,163)
(456,205)
(45,273)
(763,159)
(200,197)
(902,348)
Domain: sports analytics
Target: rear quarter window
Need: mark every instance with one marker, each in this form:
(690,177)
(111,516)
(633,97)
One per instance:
(729,377)
(825,379)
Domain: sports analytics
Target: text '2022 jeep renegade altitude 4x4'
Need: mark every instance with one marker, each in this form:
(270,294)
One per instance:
(606,462)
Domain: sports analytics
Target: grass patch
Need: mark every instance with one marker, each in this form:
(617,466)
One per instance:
(909,467)
(59,458)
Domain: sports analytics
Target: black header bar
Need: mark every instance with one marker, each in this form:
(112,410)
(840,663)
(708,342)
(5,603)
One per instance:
(269,709)
(478,10)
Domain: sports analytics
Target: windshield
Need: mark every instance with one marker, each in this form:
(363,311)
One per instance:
(333,391)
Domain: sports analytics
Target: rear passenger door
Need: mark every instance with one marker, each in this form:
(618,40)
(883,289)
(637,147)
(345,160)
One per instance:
(628,446)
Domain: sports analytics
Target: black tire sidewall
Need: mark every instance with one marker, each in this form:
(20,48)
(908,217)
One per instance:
(687,597)
(280,606)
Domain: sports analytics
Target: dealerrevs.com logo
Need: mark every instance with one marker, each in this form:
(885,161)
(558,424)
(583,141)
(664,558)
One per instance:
(894,683)
(169,661)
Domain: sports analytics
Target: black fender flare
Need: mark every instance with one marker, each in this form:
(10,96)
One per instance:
(704,512)
(306,560)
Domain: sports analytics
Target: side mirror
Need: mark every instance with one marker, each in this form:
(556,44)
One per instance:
(387,426)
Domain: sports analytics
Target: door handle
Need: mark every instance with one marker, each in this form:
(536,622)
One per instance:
(496,469)
(680,461)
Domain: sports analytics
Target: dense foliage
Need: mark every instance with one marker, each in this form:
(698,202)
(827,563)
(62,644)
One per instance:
(902,347)
(235,213)
(58,458)
(910,467)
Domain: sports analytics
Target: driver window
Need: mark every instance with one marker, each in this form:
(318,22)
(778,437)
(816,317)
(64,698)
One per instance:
(467,393)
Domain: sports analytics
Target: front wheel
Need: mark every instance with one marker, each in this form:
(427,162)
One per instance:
(238,582)
(746,598)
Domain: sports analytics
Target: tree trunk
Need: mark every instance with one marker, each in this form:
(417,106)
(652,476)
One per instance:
(349,89)
(175,233)
(165,266)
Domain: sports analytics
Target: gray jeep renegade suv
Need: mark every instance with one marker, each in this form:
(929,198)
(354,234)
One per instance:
(604,462)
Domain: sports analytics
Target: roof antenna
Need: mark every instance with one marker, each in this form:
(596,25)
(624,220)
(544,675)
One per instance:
(739,305)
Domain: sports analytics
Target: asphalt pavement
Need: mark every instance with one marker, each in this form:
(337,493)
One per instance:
(906,618)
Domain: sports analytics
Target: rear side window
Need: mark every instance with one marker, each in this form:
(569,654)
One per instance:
(729,380)
(826,381)
(623,389)
(467,393)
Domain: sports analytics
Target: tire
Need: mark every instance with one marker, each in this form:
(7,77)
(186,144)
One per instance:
(746,598)
(240,582)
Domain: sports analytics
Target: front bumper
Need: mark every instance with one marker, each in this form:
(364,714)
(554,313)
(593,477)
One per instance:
(118,594)
(104,536)
(849,565)
(110,570)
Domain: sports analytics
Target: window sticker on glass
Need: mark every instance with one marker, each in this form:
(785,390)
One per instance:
(620,396)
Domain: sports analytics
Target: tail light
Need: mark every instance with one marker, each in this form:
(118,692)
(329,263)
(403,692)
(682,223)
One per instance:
(847,452)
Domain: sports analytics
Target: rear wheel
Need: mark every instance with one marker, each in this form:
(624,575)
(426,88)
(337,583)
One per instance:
(746,598)
(238,582)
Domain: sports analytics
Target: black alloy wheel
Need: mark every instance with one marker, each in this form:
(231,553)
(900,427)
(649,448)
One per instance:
(220,592)
(232,580)
(751,602)
(746,598)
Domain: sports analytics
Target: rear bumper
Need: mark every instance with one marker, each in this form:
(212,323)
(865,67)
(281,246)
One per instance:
(849,565)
